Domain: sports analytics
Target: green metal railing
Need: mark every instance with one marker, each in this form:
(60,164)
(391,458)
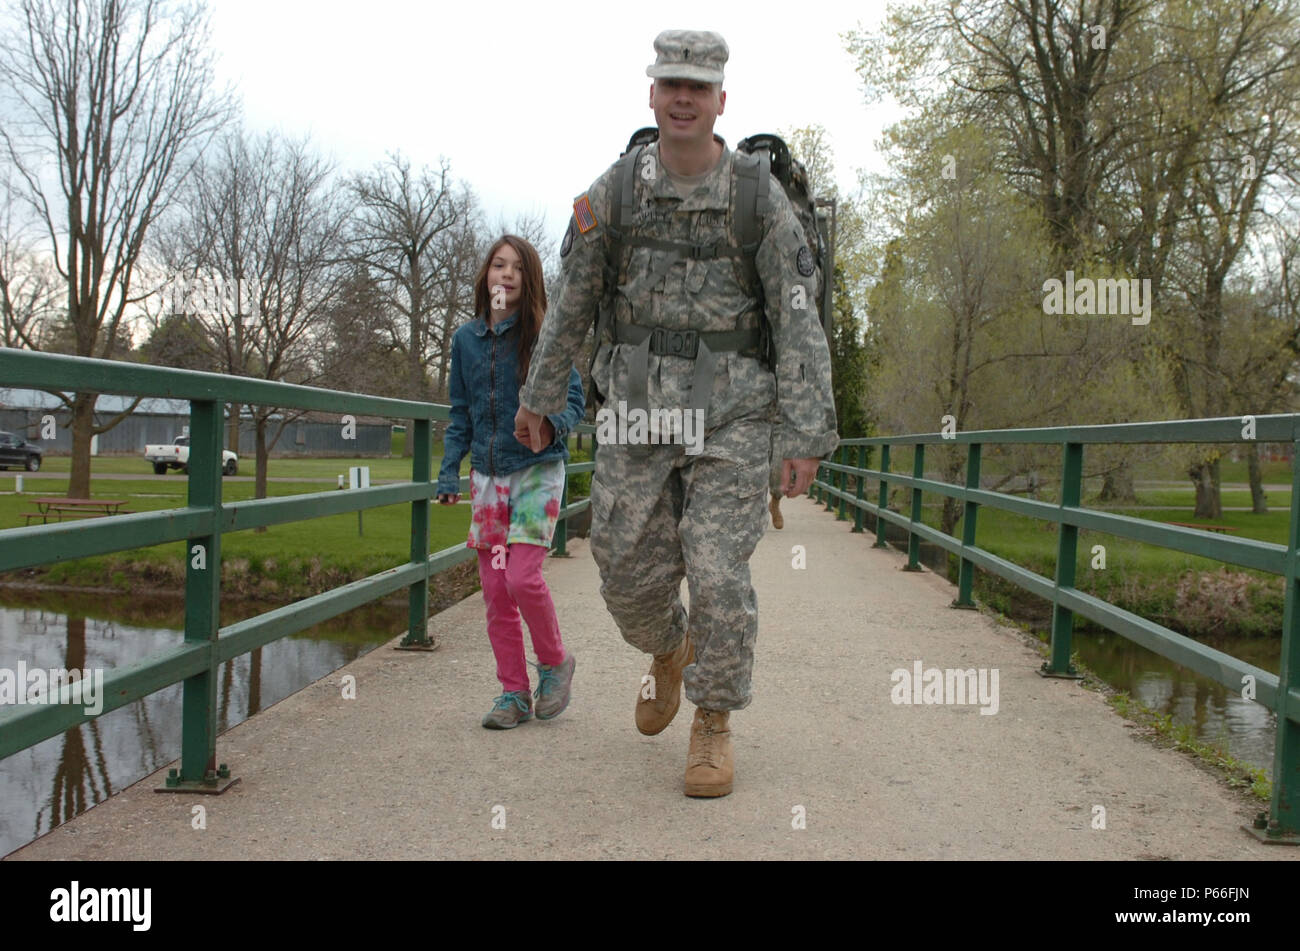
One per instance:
(200,525)
(1278,693)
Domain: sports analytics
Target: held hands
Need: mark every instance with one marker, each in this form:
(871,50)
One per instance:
(802,471)
(533,430)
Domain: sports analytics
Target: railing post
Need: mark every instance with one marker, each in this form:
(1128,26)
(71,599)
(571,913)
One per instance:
(562,527)
(883,504)
(913,539)
(860,463)
(966,571)
(417,635)
(1066,555)
(844,483)
(199,770)
(830,478)
(1284,818)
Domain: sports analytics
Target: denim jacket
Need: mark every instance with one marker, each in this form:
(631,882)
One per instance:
(484,399)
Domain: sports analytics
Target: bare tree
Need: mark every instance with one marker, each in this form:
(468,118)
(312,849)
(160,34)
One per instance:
(28,285)
(112,96)
(458,251)
(353,350)
(264,222)
(1224,205)
(399,215)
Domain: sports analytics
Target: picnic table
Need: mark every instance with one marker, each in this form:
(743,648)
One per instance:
(61,508)
(1221,529)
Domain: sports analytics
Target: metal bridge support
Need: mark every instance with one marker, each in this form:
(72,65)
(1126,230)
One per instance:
(966,572)
(1066,554)
(199,770)
(417,635)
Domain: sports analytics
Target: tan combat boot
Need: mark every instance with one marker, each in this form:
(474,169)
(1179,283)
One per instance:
(653,714)
(775,508)
(710,767)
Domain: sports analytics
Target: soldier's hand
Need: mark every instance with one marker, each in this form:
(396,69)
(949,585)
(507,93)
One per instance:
(445,499)
(803,471)
(548,434)
(528,429)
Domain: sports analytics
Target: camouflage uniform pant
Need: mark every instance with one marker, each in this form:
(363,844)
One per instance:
(658,515)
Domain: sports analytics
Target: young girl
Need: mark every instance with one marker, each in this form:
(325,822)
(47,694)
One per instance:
(515,492)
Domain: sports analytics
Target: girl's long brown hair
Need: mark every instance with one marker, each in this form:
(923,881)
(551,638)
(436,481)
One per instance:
(532,296)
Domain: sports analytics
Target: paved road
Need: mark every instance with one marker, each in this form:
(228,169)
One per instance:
(405,770)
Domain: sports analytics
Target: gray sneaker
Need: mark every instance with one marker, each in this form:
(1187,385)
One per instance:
(553,688)
(509,710)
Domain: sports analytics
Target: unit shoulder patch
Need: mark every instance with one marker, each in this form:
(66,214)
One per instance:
(583,214)
(804,262)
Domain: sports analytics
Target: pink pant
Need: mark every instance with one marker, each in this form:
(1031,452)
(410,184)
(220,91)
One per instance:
(514,589)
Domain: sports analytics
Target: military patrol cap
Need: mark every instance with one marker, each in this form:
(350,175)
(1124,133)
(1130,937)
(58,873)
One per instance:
(689,54)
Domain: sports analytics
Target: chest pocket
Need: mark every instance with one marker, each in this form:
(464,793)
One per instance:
(710,229)
(697,273)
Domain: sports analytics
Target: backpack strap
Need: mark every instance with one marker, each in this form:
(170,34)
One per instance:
(753,202)
(621,210)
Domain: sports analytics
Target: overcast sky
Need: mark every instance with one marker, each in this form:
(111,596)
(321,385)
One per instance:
(531,101)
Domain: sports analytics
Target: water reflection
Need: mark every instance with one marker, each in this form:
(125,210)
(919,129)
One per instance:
(1215,713)
(49,783)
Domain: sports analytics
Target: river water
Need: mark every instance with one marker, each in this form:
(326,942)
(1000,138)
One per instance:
(49,783)
(1218,715)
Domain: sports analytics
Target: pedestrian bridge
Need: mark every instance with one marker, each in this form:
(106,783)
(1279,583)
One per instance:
(885,723)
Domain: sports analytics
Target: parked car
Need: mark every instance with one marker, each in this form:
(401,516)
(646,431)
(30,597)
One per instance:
(177,456)
(16,451)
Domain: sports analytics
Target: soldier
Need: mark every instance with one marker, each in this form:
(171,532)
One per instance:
(680,317)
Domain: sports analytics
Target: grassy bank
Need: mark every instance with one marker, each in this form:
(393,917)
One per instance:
(285,561)
(1199,597)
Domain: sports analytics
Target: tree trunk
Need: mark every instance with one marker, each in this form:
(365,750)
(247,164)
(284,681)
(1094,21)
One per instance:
(1258,502)
(952,512)
(259,489)
(415,383)
(1117,485)
(1205,476)
(232,429)
(255,682)
(83,423)
(74,773)
(952,508)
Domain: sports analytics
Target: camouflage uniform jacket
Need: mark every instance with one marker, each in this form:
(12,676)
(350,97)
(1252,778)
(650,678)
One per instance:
(703,295)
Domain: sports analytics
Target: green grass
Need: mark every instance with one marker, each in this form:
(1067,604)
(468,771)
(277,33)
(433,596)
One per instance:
(293,555)
(1195,595)
(328,468)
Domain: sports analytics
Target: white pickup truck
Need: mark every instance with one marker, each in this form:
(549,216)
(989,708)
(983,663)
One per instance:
(177,456)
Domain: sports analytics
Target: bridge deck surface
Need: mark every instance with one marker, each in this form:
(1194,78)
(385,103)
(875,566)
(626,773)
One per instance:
(405,770)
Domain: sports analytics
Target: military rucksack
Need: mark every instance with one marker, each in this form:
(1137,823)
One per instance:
(758,155)
(793,177)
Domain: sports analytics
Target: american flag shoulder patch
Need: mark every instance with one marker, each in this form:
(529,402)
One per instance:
(583,215)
